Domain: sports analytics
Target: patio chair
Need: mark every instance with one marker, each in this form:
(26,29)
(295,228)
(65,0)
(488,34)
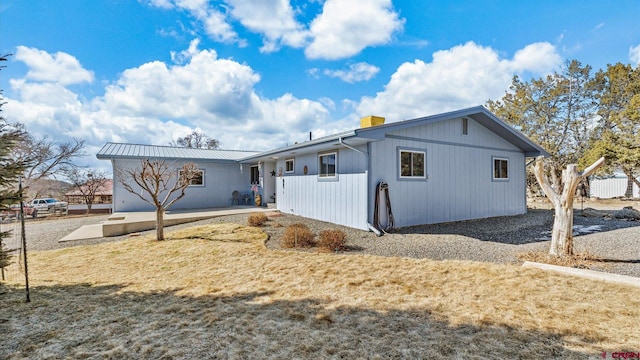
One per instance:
(235,197)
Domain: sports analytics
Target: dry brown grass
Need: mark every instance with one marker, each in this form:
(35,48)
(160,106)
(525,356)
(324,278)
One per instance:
(583,260)
(220,294)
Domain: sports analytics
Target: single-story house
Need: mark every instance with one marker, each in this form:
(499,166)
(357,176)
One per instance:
(459,165)
(101,200)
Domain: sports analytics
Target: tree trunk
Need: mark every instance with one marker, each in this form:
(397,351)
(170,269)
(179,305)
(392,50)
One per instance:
(562,233)
(159,223)
(629,192)
(562,200)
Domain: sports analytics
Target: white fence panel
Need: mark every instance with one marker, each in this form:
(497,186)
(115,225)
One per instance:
(342,202)
(611,188)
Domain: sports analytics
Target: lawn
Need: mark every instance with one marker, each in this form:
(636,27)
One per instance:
(216,292)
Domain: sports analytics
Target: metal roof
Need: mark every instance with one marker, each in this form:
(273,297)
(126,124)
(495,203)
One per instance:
(362,135)
(136,151)
(477,113)
(356,137)
(318,144)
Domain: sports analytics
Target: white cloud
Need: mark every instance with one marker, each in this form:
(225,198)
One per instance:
(345,28)
(634,54)
(155,103)
(357,72)
(60,67)
(314,73)
(165,4)
(185,55)
(206,87)
(213,20)
(463,76)
(537,57)
(341,30)
(275,20)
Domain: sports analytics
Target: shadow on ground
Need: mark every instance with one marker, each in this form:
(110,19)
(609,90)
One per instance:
(80,321)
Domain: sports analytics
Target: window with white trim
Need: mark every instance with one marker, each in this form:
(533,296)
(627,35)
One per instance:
(500,169)
(412,164)
(289,165)
(327,165)
(198,177)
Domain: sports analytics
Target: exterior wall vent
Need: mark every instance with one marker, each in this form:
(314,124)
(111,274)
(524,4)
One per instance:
(369,121)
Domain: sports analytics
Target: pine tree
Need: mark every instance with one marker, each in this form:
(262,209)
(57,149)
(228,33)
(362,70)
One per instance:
(10,170)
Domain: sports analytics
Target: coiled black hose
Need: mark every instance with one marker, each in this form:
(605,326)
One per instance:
(376,216)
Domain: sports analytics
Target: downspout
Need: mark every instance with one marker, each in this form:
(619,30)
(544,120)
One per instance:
(366,154)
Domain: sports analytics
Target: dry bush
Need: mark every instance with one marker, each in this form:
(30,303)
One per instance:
(583,260)
(298,235)
(257,219)
(332,240)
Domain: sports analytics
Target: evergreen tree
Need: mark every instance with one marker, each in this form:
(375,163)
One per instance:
(617,136)
(559,112)
(10,170)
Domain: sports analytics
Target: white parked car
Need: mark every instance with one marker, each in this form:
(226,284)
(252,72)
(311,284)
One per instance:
(50,205)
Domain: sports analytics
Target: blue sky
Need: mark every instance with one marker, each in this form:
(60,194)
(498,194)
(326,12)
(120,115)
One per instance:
(261,74)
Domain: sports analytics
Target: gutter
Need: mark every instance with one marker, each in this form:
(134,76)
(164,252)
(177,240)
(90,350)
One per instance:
(351,147)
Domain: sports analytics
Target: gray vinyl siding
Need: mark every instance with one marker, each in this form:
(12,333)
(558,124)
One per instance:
(459,184)
(220,180)
(349,162)
(342,200)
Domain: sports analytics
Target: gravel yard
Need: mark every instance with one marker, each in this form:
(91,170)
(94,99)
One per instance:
(496,240)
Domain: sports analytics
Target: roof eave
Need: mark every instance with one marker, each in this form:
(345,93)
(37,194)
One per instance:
(296,147)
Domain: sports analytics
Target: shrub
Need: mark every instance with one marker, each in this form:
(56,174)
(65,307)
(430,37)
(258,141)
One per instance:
(332,240)
(257,219)
(298,235)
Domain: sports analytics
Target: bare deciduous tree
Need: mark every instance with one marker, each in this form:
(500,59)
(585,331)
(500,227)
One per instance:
(48,158)
(88,183)
(197,140)
(159,184)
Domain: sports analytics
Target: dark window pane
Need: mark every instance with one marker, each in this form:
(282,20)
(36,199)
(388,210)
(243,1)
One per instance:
(418,164)
(405,163)
(503,169)
(500,169)
(255,175)
(198,178)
